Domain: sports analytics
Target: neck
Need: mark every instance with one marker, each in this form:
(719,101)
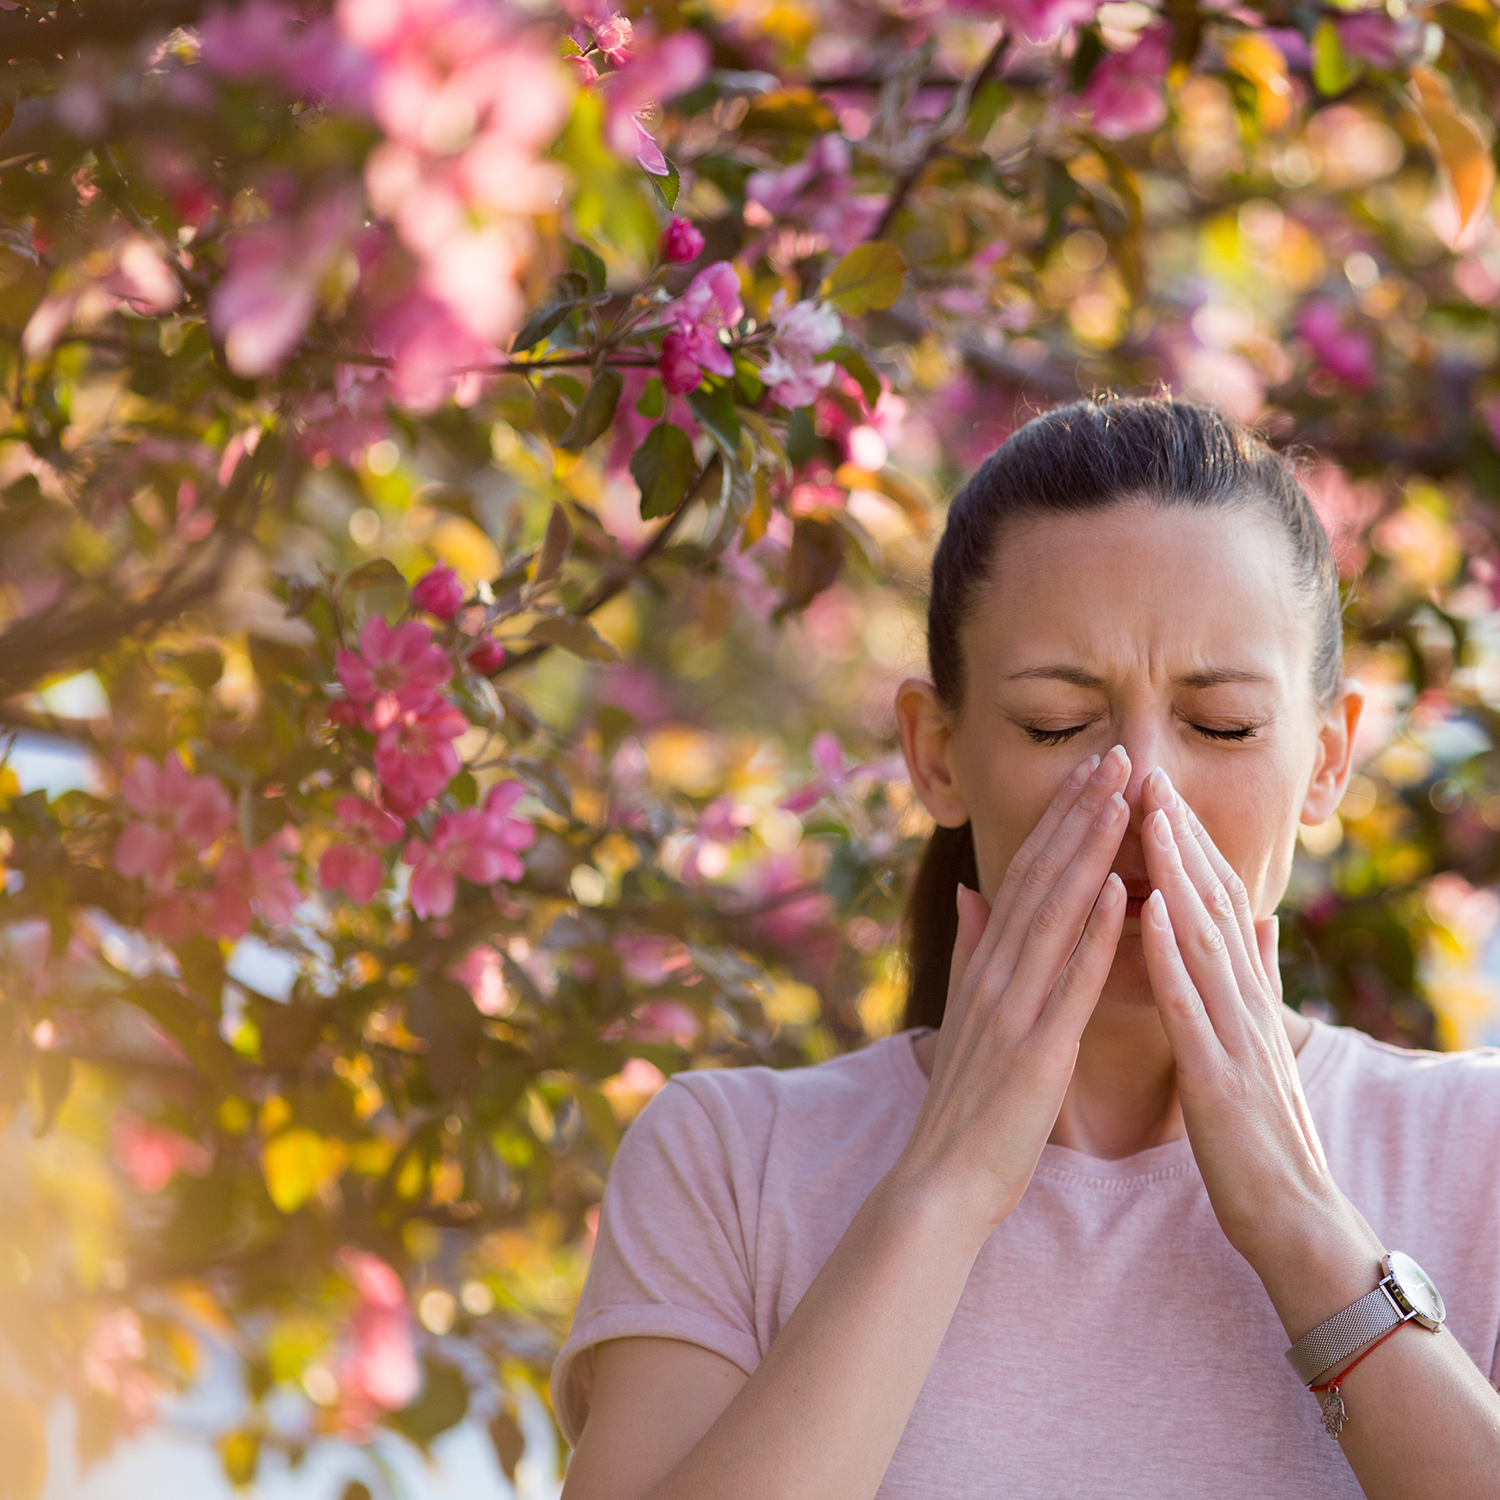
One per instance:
(1122,1098)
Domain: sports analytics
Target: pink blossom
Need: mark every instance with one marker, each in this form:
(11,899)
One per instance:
(680,242)
(112,1362)
(710,305)
(612,38)
(432,353)
(671,67)
(647,153)
(151,1157)
(829,761)
(482,973)
(486,656)
(1379,39)
(587,72)
(414,754)
(380,1366)
(177,916)
(792,374)
(1035,21)
(818,192)
(664,1021)
(269,291)
(1344,353)
(439,591)
(253,882)
(481,844)
(396,667)
(179,811)
(344,423)
(1124,93)
(356,865)
(142,278)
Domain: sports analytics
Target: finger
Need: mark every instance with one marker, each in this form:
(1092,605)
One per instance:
(1218,885)
(1268,943)
(1027,889)
(973,914)
(1057,924)
(1184,1018)
(1076,992)
(1224,870)
(1199,940)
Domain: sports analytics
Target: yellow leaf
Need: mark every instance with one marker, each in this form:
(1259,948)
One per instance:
(1261,62)
(299,1163)
(465,548)
(1457,141)
(867,279)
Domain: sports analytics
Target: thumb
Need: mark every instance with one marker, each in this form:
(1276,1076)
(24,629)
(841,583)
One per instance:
(973,915)
(1268,939)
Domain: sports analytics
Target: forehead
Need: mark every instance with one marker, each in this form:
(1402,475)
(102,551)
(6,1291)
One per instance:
(1138,588)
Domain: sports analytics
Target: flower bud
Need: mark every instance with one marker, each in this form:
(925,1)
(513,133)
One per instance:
(486,656)
(439,592)
(680,242)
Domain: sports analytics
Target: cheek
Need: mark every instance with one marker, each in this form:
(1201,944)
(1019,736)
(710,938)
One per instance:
(1005,804)
(1250,812)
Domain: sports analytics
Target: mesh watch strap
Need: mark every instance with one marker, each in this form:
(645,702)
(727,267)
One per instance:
(1345,1333)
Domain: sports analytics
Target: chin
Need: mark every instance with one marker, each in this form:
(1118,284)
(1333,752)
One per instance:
(1127,983)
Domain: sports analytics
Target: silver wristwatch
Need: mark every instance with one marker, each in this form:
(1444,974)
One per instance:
(1405,1293)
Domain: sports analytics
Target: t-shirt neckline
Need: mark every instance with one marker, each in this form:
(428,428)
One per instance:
(1156,1163)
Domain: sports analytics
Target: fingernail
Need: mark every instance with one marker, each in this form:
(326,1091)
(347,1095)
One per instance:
(1082,772)
(1161,785)
(958,897)
(1156,907)
(1113,892)
(1109,767)
(1109,814)
(1161,829)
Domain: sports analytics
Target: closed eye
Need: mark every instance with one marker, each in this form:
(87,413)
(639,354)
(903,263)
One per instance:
(1041,736)
(1242,732)
(1052,736)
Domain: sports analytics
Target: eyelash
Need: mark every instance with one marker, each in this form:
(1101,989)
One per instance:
(1058,736)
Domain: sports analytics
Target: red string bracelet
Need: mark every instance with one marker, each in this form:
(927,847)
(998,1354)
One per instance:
(1334,1412)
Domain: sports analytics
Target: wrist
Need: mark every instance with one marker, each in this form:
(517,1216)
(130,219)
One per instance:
(940,1197)
(1316,1262)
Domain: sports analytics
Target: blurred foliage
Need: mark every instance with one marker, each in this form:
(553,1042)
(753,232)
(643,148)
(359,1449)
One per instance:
(623,374)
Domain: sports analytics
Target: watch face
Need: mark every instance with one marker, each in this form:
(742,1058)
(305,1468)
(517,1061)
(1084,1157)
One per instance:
(1416,1288)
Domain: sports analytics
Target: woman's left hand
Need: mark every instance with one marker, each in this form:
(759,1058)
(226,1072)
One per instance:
(1217,986)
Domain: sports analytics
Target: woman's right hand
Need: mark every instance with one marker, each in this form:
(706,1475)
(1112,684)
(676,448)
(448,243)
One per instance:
(1026,975)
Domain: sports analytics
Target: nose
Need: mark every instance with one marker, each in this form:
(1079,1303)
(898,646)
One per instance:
(1148,747)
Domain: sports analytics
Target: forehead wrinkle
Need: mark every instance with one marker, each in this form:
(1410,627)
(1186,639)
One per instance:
(1206,677)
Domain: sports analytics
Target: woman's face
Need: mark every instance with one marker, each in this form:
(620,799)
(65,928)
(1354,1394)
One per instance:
(1175,633)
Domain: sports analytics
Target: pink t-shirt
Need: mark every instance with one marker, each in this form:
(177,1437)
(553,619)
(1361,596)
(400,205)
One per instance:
(1109,1339)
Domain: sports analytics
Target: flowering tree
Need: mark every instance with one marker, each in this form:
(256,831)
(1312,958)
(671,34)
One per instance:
(467,475)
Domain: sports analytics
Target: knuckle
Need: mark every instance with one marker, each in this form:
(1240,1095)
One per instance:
(1041,874)
(1220,904)
(1207,939)
(1051,914)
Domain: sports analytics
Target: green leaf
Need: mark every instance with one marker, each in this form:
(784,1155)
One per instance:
(867,279)
(1333,70)
(444,1403)
(541,322)
(859,367)
(663,466)
(668,187)
(651,403)
(595,412)
(554,546)
(379,572)
(713,405)
(577,636)
(581,258)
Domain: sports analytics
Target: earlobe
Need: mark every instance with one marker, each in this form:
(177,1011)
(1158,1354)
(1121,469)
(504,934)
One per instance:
(925,736)
(1335,763)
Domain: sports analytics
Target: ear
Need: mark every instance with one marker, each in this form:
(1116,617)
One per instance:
(925,738)
(1335,762)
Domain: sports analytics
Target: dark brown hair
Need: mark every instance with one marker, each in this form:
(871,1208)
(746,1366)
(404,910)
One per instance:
(1090,456)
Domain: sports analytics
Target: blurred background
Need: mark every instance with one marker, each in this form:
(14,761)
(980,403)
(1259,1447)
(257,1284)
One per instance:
(467,477)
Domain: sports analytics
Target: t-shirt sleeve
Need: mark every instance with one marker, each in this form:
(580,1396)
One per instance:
(671,1259)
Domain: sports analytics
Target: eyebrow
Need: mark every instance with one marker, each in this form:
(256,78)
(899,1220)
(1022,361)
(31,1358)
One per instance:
(1208,677)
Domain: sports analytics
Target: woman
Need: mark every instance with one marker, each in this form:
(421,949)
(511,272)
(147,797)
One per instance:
(1056,1236)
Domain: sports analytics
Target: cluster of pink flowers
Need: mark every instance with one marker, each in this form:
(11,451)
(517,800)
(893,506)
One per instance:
(709,308)
(378,1370)
(179,816)
(793,374)
(468,98)
(482,844)
(816,192)
(150,1157)
(1125,94)
(1345,353)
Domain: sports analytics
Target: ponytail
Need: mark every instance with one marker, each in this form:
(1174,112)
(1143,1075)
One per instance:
(932,921)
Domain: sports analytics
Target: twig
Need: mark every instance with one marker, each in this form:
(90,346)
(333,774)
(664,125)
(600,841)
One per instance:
(954,117)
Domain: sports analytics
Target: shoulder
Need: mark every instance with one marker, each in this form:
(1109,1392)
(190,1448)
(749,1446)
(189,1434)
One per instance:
(1415,1104)
(745,1107)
